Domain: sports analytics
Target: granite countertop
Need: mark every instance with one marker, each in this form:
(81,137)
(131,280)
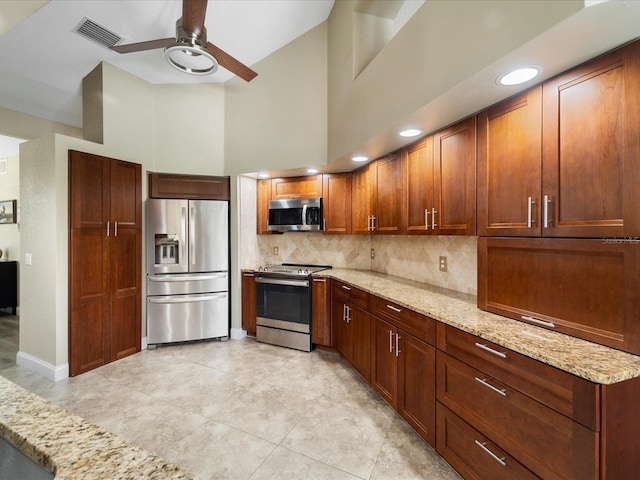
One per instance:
(584,359)
(68,446)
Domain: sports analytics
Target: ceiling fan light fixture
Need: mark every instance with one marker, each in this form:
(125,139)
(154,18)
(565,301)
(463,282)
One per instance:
(191,58)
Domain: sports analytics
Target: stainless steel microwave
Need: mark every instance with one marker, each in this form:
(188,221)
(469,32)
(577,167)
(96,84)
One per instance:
(295,215)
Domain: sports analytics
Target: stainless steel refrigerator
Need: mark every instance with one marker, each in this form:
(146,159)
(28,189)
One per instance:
(187,270)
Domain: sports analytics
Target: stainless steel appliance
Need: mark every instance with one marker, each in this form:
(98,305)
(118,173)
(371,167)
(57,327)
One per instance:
(187,270)
(283,304)
(295,214)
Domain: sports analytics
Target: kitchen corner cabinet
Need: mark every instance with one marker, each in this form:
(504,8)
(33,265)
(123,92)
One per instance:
(203,187)
(510,166)
(586,288)
(249,303)
(336,203)
(376,196)
(105,260)
(320,311)
(296,187)
(351,323)
(263,196)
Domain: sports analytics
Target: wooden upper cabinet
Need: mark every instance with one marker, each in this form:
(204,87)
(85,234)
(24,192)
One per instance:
(454,157)
(388,192)
(591,146)
(509,166)
(263,195)
(336,203)
(203,187)
(418,198)
(362,199)
(296,187)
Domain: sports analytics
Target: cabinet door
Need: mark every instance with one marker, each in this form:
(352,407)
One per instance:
(454,153)
(362,199)
(249,303)
(342,335)
(320,308)
(591,146)
(388,191)
(296,187)
(384,371)
(173,185)
(336,203)
(263,195)
(417,169)
(360,325)
(510,166)
(416,385)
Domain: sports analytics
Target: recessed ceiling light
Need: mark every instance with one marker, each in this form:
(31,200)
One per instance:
(410,132)
(263,175)
(359,158)
(521,75)
(312,170)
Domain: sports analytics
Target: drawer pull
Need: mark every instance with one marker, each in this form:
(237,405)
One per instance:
(483,446)
(484,382)
(391,307)
(320,280)
(346,288)
(390,341)
(538,322)
(491,350)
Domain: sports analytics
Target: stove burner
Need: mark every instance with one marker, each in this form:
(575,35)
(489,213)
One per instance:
(293,269)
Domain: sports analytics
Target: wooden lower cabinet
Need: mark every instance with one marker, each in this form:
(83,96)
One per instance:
(320,312)
(249,303)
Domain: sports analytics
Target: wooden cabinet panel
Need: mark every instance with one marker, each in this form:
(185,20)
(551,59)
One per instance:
(296,187)
(418,325)
(342,334)
(472,454)
(203,187)
(360,323)
(320,312)
(363,183)
(418,184)
(510,166)
(249,303)
(388,191)
(417,385)
(454,156)
(336,203)
(585,288)
(591,144)
(105,260)
(546,442)
(384,362)
(263,195)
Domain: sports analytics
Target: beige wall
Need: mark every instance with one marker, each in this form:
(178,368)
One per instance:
(22,125)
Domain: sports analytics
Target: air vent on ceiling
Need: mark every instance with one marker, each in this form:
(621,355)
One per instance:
(96,32)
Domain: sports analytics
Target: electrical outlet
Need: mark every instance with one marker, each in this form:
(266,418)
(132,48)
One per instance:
(443,263)
(275,250)
(373,253)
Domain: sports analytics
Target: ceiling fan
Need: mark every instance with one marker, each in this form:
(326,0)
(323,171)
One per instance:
(189,51)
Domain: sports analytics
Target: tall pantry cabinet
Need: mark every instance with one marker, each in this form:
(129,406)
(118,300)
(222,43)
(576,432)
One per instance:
(105,260)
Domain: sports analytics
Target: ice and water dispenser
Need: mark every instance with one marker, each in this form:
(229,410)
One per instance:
(167,249)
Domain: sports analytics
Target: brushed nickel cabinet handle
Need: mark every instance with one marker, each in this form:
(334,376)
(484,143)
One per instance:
(530,203)
(346,288)
(320,280)
(483,446)
(426,218)
(398,352)
(547,201)
(484,382)
(390,341)
(433,218)
(108,227)
(391,307)
(115,228)
(491,350)
(538,322)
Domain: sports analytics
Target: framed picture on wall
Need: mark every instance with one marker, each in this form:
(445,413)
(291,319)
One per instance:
(7,211)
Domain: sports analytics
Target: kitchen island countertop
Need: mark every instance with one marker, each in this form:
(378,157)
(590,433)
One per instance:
(70,447)
(588,360)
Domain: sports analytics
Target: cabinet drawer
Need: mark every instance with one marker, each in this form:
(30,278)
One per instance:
(546,442)
(412,322)
(472,454)
(353,294)
(570,395)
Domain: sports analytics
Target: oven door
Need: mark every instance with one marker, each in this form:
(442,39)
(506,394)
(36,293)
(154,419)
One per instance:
(283,303)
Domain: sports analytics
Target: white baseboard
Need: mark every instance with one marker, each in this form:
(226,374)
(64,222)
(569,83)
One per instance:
(238,334)
(42,368)
(144,343)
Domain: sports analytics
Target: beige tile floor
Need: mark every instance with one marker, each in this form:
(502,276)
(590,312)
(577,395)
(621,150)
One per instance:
(247,410)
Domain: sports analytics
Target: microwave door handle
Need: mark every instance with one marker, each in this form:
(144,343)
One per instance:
(304,215)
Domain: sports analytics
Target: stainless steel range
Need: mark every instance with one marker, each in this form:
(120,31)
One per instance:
(283,304)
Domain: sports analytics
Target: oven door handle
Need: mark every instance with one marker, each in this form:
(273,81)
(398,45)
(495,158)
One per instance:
(283,281)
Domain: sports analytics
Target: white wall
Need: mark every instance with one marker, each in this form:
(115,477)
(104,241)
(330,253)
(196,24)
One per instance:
(10,190)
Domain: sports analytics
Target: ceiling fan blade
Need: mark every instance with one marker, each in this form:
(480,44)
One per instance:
(193,13)
(142,46)
(234,66)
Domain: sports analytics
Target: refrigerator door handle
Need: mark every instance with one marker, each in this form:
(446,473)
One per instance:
(185,298)
(185,278)
(192,235)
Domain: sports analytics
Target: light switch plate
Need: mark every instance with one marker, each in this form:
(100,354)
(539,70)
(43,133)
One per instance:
(27,259)
(443,263)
